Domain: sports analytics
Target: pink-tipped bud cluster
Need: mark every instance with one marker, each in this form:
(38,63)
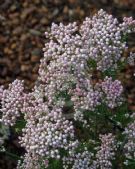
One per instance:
(130,141)
(106,152)
(112,91)
(12,102)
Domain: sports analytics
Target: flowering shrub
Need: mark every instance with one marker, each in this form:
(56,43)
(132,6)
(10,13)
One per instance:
(73,121)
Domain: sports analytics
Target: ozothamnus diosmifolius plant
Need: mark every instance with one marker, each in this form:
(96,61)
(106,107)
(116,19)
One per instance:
(71,120)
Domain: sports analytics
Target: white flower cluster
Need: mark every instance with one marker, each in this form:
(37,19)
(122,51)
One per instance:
(30,161)
(107,92)
(131,59)
(48,135)
(130,135)
(84,97)
(11,102)
(80,160)
(65,67)
(102,36)
(112,92)
(128,25)
(63,61)
(85,160)
(106,152)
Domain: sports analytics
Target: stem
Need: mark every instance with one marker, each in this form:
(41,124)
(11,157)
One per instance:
(12,155)
(114,123)
(95,134)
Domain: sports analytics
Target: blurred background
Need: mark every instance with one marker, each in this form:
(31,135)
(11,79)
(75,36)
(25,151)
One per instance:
(22,27)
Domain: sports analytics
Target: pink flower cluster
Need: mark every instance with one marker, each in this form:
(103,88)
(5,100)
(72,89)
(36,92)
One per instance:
(102,38)
(112,91)
(30,161)
(71,55)
(80,160)
(48,134)
(11,102)
(86,160)
(106,152)
(130,139)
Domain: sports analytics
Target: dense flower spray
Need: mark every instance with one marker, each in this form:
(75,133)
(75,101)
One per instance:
(106,152)
(12,102)
(68,114)
(130,141)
